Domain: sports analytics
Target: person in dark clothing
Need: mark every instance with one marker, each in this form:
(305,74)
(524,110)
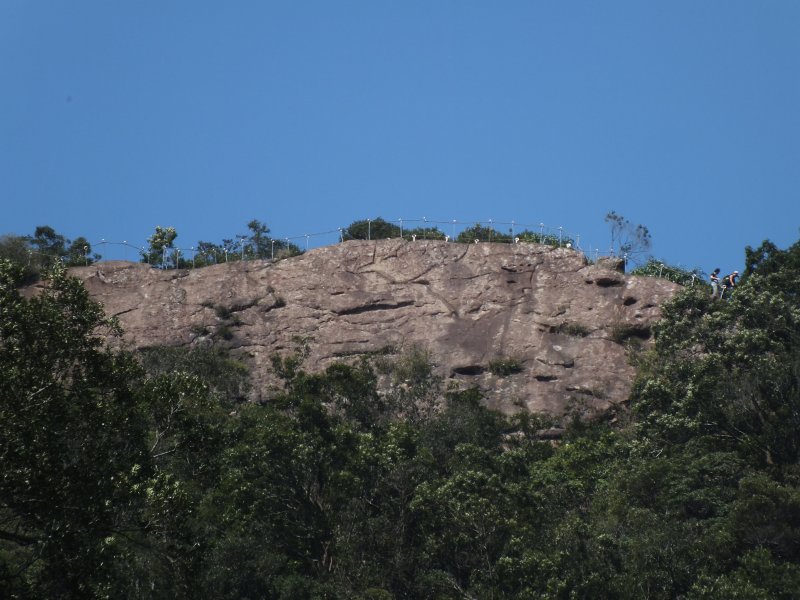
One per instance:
(715,283)
(729,283)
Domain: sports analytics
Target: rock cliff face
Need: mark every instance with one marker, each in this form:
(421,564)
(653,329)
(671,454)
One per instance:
(534,326)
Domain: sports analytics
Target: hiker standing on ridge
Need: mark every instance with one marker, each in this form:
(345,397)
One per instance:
(714,283)
(729,282)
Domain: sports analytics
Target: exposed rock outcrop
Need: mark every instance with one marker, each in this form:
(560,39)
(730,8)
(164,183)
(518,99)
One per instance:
(557,320)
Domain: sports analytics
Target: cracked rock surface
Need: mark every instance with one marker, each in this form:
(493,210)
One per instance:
(566,325)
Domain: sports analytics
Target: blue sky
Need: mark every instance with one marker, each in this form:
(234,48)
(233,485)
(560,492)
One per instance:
(683,116)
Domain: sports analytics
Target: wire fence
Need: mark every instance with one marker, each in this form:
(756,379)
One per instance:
(243,248)
(414,229)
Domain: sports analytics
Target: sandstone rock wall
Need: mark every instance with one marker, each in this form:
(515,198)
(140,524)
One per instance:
(542,308)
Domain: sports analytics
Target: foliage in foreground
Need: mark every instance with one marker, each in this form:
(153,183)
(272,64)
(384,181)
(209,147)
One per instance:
(124,481)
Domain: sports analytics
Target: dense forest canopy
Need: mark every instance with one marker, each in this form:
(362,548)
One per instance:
(144,475)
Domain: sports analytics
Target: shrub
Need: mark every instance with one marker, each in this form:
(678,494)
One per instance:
(482,233)
(225,332)
(658,268)
(504,366)
(413,366)
(548,239)
(621,333)
(372,229)
(198,329)
(573,329)
(223,312)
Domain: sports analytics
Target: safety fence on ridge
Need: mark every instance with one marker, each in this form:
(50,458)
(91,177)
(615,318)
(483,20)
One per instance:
(275,248)
(242,248)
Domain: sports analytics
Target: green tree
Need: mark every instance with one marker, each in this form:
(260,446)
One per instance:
(207,253)
(159,245)
(482,233)
(423,233)
(272,505)
(73,443)
(79,253)
(416,391)
(714,462)
(371,229)
(17,250)
(123,482)
(223,375)
(48,244)
(255,245)
(259,239)
(38,252)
